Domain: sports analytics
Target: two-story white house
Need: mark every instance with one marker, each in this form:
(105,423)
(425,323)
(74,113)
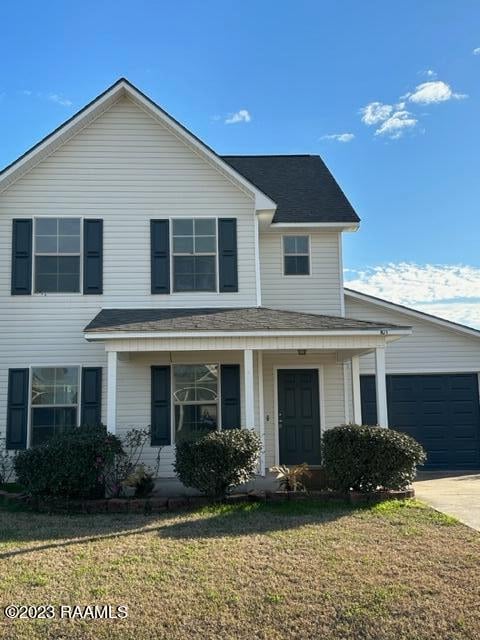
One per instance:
(145,280)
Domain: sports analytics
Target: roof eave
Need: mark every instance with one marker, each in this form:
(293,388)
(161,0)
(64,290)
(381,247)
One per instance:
(121,334)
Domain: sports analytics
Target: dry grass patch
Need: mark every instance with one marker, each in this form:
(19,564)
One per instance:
(298,570)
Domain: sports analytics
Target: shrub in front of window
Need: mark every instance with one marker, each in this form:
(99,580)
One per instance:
(73,464)
(218,462)
(366,458)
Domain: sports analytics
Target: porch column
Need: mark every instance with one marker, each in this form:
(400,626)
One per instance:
(249,388)
(381,387)
(261,410)
(356,392)
(111,391)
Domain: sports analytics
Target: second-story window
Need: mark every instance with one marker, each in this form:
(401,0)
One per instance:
(194,254)
(57,255)
(296,255)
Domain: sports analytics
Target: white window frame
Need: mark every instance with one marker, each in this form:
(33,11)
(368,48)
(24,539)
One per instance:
(309,255)
(172,273)
(196,402)
(34,254)
(31,406)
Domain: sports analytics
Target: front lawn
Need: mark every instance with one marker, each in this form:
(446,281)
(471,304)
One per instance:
(298,570)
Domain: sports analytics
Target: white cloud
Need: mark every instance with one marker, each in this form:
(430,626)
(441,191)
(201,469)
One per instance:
(375,112)
(240,116)
(26,92)
(396,125)
(450,291)
(58,99)
(339,137)
(434,91)
(476,51)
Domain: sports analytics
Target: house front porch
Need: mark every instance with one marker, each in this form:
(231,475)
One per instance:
(287,375)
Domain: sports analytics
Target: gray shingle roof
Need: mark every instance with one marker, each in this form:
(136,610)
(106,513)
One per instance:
(302,186)
(231,319)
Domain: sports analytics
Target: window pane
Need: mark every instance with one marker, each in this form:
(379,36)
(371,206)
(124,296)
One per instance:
(183,244)
(69,244)
(184,283)
(205,244)
(290,265)
(43,386)
(46,264)
(205,264)
(46,226)
(204,283)
(193,421)
(69,226)
(296,265)
(302,265)
(48,422)
(46,244)
(302,244)
(184,264)
(183,227)
(289,244)
(204,227)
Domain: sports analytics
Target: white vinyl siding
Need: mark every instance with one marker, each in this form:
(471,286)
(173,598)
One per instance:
(124,168)
(430,348)
(319,292)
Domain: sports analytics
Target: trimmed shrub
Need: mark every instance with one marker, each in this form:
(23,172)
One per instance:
(73,464)
(365,458)
(219,461)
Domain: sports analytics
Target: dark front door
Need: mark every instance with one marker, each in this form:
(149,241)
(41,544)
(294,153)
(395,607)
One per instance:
(298,416)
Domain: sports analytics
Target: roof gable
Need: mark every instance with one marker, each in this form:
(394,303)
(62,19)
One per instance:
(97,107)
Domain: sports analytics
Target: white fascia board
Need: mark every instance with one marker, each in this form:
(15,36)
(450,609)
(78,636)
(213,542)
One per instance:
(134,335)
(340,226)
(408,311)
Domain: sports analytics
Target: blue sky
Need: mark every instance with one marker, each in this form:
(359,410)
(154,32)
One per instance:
(296,74)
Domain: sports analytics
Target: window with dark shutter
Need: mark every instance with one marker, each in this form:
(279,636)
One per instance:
(160,256)
(160,406)
(91,412)
(92,257)
(22,231)
(17,408)
(230,389)
(227,255)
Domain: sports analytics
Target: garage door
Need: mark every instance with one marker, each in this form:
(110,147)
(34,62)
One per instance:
(440,411)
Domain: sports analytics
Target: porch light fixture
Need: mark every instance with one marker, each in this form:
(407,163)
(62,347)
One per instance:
(301,352)
(384,332)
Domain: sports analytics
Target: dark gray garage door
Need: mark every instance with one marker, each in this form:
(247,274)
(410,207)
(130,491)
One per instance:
(440,411)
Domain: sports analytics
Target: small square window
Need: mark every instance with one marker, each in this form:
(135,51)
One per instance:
(296,255)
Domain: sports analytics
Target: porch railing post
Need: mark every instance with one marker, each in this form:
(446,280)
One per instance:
(111,391)
(381,387)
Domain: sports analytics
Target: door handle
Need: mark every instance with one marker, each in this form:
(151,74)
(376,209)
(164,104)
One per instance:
(280,419)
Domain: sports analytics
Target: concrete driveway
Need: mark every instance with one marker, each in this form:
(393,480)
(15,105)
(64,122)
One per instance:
(455,495)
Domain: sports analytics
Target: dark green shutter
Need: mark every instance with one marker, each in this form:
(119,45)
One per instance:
(161,399)
(160,256)
(227,254)
(92,257)
(21,284)
(91,413)
(230,389)
(17,408)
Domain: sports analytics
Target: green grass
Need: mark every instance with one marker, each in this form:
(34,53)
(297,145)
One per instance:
(397,570)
